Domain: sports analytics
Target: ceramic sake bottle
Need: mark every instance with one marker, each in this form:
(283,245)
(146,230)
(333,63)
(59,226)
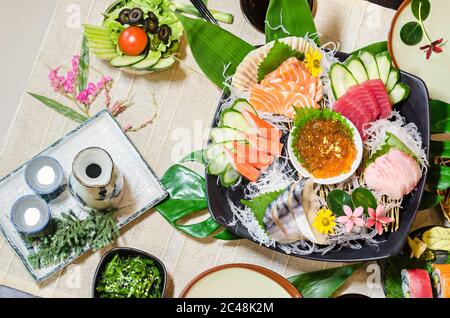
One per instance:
(95,181)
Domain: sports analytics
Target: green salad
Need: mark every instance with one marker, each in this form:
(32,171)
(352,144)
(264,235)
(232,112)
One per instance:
(130,277)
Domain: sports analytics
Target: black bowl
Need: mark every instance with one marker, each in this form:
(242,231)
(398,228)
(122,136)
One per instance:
(414,109)
(127,252)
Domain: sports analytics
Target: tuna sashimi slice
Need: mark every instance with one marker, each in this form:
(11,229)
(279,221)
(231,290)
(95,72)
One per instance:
(363,97)
(246,170)
(382,97)
(357,115)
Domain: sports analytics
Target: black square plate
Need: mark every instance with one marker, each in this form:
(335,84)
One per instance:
(415,110)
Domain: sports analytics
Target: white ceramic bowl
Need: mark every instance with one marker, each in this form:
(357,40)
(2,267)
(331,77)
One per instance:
(359,151)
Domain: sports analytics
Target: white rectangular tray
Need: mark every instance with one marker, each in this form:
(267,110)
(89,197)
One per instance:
(142,189)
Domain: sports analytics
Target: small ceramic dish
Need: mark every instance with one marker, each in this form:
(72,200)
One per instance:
(239,281)
(128,252)
(44,175)
(30,214)
(359,152)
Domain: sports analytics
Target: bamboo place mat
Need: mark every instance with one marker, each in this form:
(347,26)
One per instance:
(186,101)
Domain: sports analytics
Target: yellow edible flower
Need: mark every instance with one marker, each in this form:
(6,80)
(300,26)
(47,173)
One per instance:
(324,221)
(312,62)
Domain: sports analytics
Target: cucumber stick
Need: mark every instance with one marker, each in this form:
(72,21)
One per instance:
(341,79)
(393,79)
(241,104)
(370,64)
(356,67)
(384,65)
(214,150)
(223,134)
(217,165)
(399,93)
(234,119)
(229,176)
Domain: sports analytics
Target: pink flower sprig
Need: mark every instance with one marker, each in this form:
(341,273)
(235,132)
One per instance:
(351,218)
(377,219)
(88,95)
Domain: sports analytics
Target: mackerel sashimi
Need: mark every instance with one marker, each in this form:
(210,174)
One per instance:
(290,85)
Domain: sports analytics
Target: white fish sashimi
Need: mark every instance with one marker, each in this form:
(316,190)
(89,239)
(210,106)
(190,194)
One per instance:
(394,174)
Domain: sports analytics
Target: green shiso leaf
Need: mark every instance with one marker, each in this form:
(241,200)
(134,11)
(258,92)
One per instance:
(295,17)
(439,117)
(304,114)
(373,48)
(60,108)
(215,49)
(336,200)
(83,66)
(439,177)
(363,197)
(323,283)
(279,53)
(260,203)
(391,142)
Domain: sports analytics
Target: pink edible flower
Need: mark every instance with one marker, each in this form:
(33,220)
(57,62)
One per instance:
(351,218)
(83,97)
(377,219)
(92,89)
(56,82)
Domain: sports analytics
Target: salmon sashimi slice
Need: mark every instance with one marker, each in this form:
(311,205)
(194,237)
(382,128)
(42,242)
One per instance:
(246,170)
(313,87)
(262,127)
(271,147)
(248,154)
(290,70)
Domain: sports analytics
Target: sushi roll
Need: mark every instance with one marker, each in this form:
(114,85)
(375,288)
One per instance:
(416,283)
(441,280)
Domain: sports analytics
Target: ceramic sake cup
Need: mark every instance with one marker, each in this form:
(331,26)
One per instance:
(95,181)
(30,214)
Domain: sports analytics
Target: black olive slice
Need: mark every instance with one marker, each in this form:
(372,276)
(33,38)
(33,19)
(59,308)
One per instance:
(135,16)
(152,16)
(164,33)
(123,16)
(151,26)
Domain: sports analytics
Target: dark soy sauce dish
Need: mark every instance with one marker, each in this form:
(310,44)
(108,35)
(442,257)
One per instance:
(255,11)
(127,253)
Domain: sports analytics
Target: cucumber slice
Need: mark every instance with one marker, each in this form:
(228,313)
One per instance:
(356,67)
(229,176)
(217,165)
(106,56)
(223,134)
(384,65)
(214,150)
(394,77)
(399,93)
(164,63)
(234,119)
(151,59)
(370,65)
(241,104)
(126,60)
(341,79)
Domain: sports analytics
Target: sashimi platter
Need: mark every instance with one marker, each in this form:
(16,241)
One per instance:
(319,154)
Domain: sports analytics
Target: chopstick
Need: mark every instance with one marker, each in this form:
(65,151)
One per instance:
(201,7)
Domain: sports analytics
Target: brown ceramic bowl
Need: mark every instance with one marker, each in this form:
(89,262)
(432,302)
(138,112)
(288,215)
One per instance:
(391,31)
(278,279)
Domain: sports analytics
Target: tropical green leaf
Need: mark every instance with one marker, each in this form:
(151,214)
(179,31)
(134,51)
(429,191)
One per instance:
(440,148)
(420,9)
(373,48)
(279,53)
(336,200)
(365,198)
(439,177)
(226,235)
(391,142)
(83,66)
(429,200)
(289,18)
(411,33)
(439,116)
(323,283)
(260,203)
(216,51)
(60,108)
(196,156)
(200,230)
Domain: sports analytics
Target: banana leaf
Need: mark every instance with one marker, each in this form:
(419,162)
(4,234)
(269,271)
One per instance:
(440,148)
(60,108)
(216,51)
(439,177)
(323,283)
(289,18)
(373,48)
(429,200)
(439,117)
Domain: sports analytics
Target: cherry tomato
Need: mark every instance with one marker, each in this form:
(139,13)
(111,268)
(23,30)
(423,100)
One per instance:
(133,40)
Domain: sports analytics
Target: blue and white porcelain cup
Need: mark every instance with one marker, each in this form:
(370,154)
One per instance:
(30,214)
(95,181)
(45,176)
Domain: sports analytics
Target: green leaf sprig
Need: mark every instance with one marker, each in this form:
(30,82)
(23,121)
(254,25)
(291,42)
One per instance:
(259,204)
(360,197)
